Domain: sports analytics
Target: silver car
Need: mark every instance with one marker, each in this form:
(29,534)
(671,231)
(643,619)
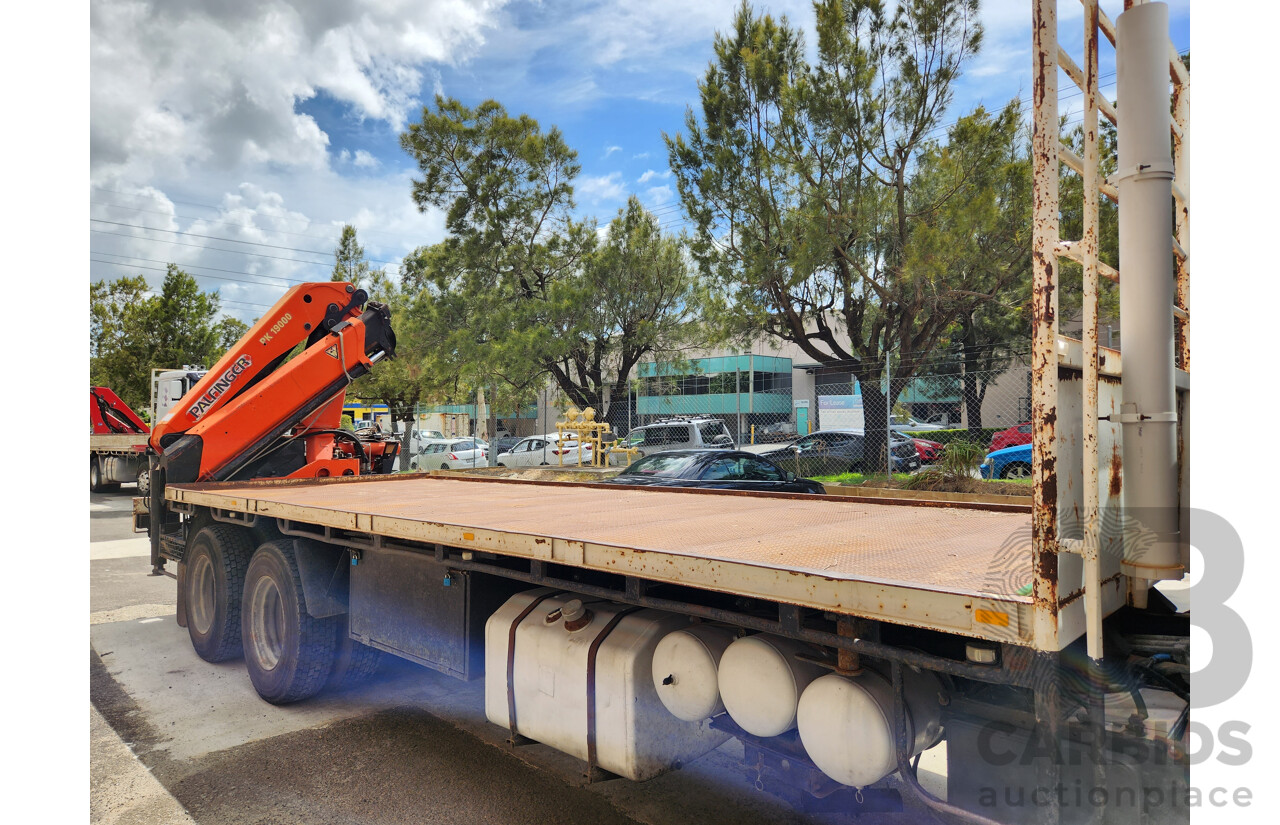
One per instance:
(681,434)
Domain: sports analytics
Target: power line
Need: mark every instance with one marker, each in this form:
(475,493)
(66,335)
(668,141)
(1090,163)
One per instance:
(197,218)
(185,267)
(209,248)
(158,269)
(221,209)
(214,237)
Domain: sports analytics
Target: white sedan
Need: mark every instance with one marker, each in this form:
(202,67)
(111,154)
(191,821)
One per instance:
(544,449)
(451,454)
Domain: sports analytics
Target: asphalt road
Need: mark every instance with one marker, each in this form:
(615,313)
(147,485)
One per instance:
(176,737)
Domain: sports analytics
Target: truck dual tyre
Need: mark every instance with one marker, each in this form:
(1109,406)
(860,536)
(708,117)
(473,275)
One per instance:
(288,652)
(354,662)
(216,561)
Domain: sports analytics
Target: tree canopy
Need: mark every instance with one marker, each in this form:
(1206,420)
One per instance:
(349,265)
(833,206)
(521,288)
(132,331)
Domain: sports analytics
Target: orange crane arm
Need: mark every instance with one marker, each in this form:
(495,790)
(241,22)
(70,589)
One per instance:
(277,419)
(307,312)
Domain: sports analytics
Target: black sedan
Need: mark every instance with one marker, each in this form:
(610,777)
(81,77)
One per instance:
(831,452)
(713,469)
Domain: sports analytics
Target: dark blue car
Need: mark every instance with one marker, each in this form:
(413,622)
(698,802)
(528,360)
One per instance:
(713,469)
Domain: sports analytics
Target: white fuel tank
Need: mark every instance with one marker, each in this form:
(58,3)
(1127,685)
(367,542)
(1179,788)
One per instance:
(761,679)
(846,723)
(686,667)
(635,735)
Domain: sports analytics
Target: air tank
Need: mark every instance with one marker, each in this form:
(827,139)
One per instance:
(686,665)
(846,723)
(761,679)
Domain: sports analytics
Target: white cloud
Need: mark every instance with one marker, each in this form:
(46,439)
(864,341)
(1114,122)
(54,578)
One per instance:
(651,175)
(195,128)
(594,189)
(658,195)
(609,150)
(218,82)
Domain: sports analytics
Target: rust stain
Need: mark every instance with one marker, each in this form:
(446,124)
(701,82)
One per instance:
(1113,487)
(1070,597)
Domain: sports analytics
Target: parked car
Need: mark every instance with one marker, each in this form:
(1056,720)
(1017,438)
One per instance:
(1011,437)
(1010,462)
(831,452)
(451,454)
(909,423)
(713,469)
(503,444)
(549,449)
(928,451)
(681,434)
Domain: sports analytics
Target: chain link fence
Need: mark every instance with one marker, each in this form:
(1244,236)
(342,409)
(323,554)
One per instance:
(823,421)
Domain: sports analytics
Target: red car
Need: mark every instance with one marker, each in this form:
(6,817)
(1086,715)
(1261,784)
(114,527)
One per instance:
(929,451)
(1011,437)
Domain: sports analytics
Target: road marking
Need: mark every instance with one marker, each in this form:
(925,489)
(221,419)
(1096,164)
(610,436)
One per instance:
(149,621)
(134,612)
(120,549)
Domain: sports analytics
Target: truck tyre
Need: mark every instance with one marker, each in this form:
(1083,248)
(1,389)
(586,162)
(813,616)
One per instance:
(289,652)
(95,476)
(354,662)
(215,562)
(265,529)
(144,481)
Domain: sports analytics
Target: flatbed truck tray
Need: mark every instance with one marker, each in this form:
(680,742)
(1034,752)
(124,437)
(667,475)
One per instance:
(951,567)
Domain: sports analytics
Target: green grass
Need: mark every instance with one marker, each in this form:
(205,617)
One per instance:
(857,478)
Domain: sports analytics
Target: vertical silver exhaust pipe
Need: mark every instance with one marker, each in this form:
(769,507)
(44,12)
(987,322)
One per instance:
(1148,412)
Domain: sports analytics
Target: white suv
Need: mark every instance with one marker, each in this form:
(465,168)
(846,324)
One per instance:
(681,434)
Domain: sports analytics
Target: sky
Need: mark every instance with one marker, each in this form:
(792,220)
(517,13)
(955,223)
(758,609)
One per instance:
(236,137)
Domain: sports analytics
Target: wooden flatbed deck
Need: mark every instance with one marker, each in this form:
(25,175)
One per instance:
(961,569)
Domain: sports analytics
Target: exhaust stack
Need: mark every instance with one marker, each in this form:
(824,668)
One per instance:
(1148,412)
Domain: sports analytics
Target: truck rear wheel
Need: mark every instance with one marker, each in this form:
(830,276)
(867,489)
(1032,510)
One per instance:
(144,482)
(95,476)
(354,662)
(289,653)
(215,562)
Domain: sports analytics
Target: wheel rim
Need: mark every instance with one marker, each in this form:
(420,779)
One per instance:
(144,482)
(200,610)
(267,612)
(1018,471)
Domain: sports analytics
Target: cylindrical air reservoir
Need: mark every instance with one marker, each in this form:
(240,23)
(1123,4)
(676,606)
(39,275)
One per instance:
(761,679)
(686,666)
(846,723)
(1148,409)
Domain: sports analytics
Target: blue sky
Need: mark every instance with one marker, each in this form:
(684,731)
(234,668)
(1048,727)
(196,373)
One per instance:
(235,138)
